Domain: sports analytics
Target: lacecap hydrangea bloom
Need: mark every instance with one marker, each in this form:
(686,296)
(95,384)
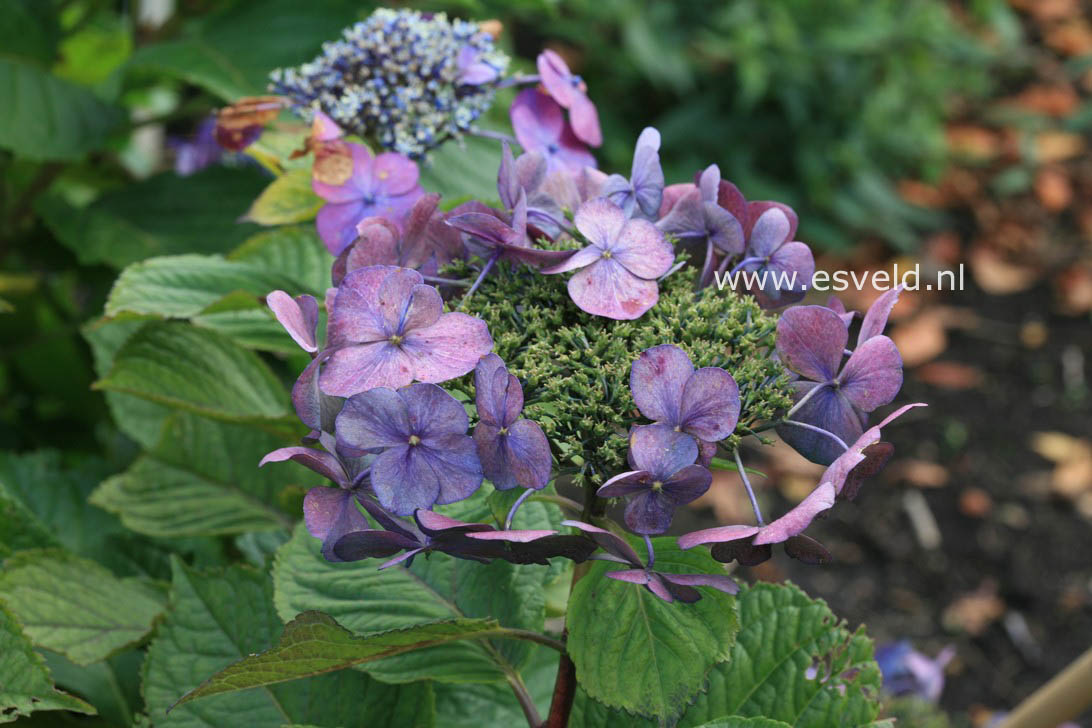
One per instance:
(407,79)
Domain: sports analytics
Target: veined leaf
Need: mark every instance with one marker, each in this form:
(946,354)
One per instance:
(636,652)
(364,600)
(464,168)
(288,199)
(193,369)
(202,478)
(181,286)
(736,721)
(217,618)
(314,644)
(294,251)
(25,682)
(74,606)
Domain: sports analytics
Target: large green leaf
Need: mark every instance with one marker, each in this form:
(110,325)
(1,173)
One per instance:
(20,529)
(138,418)
(30,30)
(182,286)
(25,682)
(218,618)
(44,117)
(294,251)
(634,651)
(162,215)
(112,686)
(315,644)
(182,366)
(736,721)
(364,599)
(202,478)
(231,54)
(288,199)
(74,606)
(462,169)
(793,662)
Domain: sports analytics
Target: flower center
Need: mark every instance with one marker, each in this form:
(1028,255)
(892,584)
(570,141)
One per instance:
(414,440)
(553,148)
(606,254)
(502,431)
(396,339)
(657,486)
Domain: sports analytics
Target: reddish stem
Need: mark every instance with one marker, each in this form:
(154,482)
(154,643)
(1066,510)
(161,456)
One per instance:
(564,693)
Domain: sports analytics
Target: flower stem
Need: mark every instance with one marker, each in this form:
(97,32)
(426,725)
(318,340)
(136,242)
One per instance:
(481,276)
(523,697)
(740,264)
(515,507)
(651,552)
(803,400)
(447,281)
(747,485)
(497,135)
(820,430)
(518,81)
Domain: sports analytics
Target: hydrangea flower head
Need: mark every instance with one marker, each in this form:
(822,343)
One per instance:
(409,80)
(385,185)
(664,477)
(513,450)
(419,432)
(570,91)
(619,267)
(387,329)
(540,126)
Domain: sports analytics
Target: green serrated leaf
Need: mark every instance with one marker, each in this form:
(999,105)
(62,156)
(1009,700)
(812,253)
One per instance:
(467,167)
(20,529)
(217,618)
(247,321)
(44,117)
(294,251)
(197,370)
(74,606)
(202,478)
(315,644)
(25,682)
(288,199)
(439,587)
(736,721)
(636,652)
(181,286)
(162,215)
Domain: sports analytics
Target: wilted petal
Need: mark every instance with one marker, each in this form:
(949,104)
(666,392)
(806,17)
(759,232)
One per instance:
(580,259)
(875,319)
(807,549)
(610,542)
(743,551)
(298,316)
(811,341)
(356,369)
(485,227)
(375,419)
(874,458)
(658,380)
(607,289)
(436,524)
(320,461)
(719,534)
(378,242)
(449,348)
(799,518)
(329,514)
(314,408)
(336,223)
(709,406)
(873,375)
(720,582)
(370,544)
(661,450)
(519,457)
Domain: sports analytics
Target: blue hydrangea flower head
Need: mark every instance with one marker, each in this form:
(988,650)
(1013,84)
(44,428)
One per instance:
(409,80)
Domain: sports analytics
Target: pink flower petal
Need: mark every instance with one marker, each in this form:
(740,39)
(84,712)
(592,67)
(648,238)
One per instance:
(298,316)
(395,174)
(357,369)
(336,224)
(643,250)
(799,518)
(449,348)
(873,375)
(605,288)
(811,341)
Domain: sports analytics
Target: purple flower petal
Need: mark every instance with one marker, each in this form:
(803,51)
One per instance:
(375,419)
(631,483)
(875,320)
(661,450)
(436,524)
(873,375)
(556,77)
(793,264)
(755,210)
(610,542)
(686,216)
(410,477)
(371,544)
(607,289)
(378,242)
(395,174)
(829,410)
(449,348)
(647,175)
(709,405)
(585,121)
(658,380)
(642,249)
(536,120)
(312,406)
(298,316)
(485,227)
(580,259)
(723,229)
(720,582)
(329,514)
(336,223)
(687,484)
(770,231)
(519,457)
(359,184)
(355,369)
(799,518)
(811,341)
(432,412)
(600,221)
(649,512)
(320,461)
(355,315)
